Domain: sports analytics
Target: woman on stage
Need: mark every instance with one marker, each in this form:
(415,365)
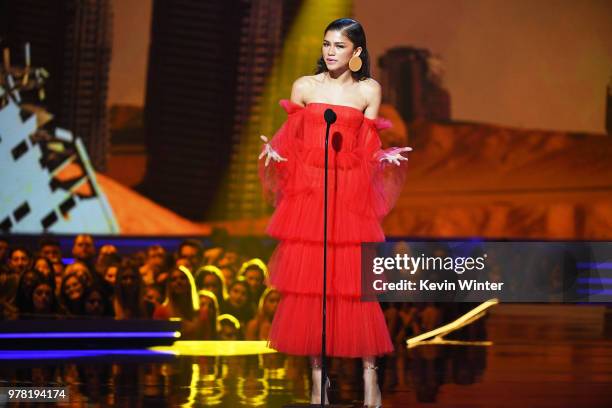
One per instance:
(363,183)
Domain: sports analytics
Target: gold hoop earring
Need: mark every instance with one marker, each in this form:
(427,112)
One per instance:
(355,63)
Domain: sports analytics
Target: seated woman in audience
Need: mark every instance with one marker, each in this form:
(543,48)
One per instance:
(72,290)
(44,267)
(228,328)
(25,293)
(211,278)
(81,269)
(44,301)
(129,301)
(238,302)
(181,301)
(255,273)
(96,302)
(110,274)
(23,297)
(209,310)
(259,326)
(153,295)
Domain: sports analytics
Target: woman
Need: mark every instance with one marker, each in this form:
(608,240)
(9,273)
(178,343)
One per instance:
(255,273)
(44,302)
(209,310)
(363,184)
(259,327)
(129,301)
(211,278)
(238,302)
(96,302)
(182,301)
(72,290)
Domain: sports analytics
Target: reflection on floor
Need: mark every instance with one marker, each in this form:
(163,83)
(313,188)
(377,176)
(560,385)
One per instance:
(541,356)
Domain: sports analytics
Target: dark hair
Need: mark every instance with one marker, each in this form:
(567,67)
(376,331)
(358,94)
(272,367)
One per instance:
(23,297)
(71,307)
(354,31)
(22,249)
(130,301)
(190,242)
(51,277)
(48,241)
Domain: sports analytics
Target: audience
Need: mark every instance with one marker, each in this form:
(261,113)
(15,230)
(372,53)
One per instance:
(225,299)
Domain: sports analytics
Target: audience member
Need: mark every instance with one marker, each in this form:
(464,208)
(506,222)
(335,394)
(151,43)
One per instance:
(255,273)
(72,290)
(191,250)
(181,301)
(228,328)
(96,302)
(19,260)
(238,303)
(211,278)
(45,267)
(84,250)
(129,301)
(153,264)
(259,327)
(209,310)
(50,248)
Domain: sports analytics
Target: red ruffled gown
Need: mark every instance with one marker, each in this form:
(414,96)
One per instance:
(361,191)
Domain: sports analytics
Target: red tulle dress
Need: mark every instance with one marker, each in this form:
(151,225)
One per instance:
(361,191)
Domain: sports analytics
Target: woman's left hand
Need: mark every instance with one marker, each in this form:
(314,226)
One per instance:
(394,155)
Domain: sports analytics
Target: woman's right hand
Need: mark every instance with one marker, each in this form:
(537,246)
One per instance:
(269,152)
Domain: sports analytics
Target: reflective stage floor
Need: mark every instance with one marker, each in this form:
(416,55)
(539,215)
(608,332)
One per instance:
(540,356)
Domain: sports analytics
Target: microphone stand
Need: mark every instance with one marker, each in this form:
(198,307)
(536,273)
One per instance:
(330,117)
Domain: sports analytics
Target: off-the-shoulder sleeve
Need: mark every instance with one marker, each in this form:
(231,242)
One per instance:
(384,180)
(275,178)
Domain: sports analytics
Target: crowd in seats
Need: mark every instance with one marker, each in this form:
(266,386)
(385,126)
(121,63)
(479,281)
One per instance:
(215,292)
(218,293)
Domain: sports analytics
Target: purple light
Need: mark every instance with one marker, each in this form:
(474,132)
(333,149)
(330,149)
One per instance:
(595,280)
(594,265)
(58,354)
(595,291)
(87,335)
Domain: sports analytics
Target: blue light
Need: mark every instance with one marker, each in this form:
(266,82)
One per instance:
(87,335)
(595,280)
(60,354)
(594,265)
(595,291)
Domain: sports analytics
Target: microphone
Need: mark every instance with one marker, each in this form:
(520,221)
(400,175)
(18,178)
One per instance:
(330,116)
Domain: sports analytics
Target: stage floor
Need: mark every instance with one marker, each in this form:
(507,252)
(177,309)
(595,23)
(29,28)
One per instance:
(542,356)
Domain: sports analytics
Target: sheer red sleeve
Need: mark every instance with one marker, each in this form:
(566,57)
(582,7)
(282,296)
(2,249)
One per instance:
(276,177)
(384,180)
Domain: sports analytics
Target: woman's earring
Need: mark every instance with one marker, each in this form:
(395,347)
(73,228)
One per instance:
(355,63)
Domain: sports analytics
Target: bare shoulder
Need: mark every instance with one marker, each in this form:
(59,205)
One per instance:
(301,88)
(372,92)
(370,88)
